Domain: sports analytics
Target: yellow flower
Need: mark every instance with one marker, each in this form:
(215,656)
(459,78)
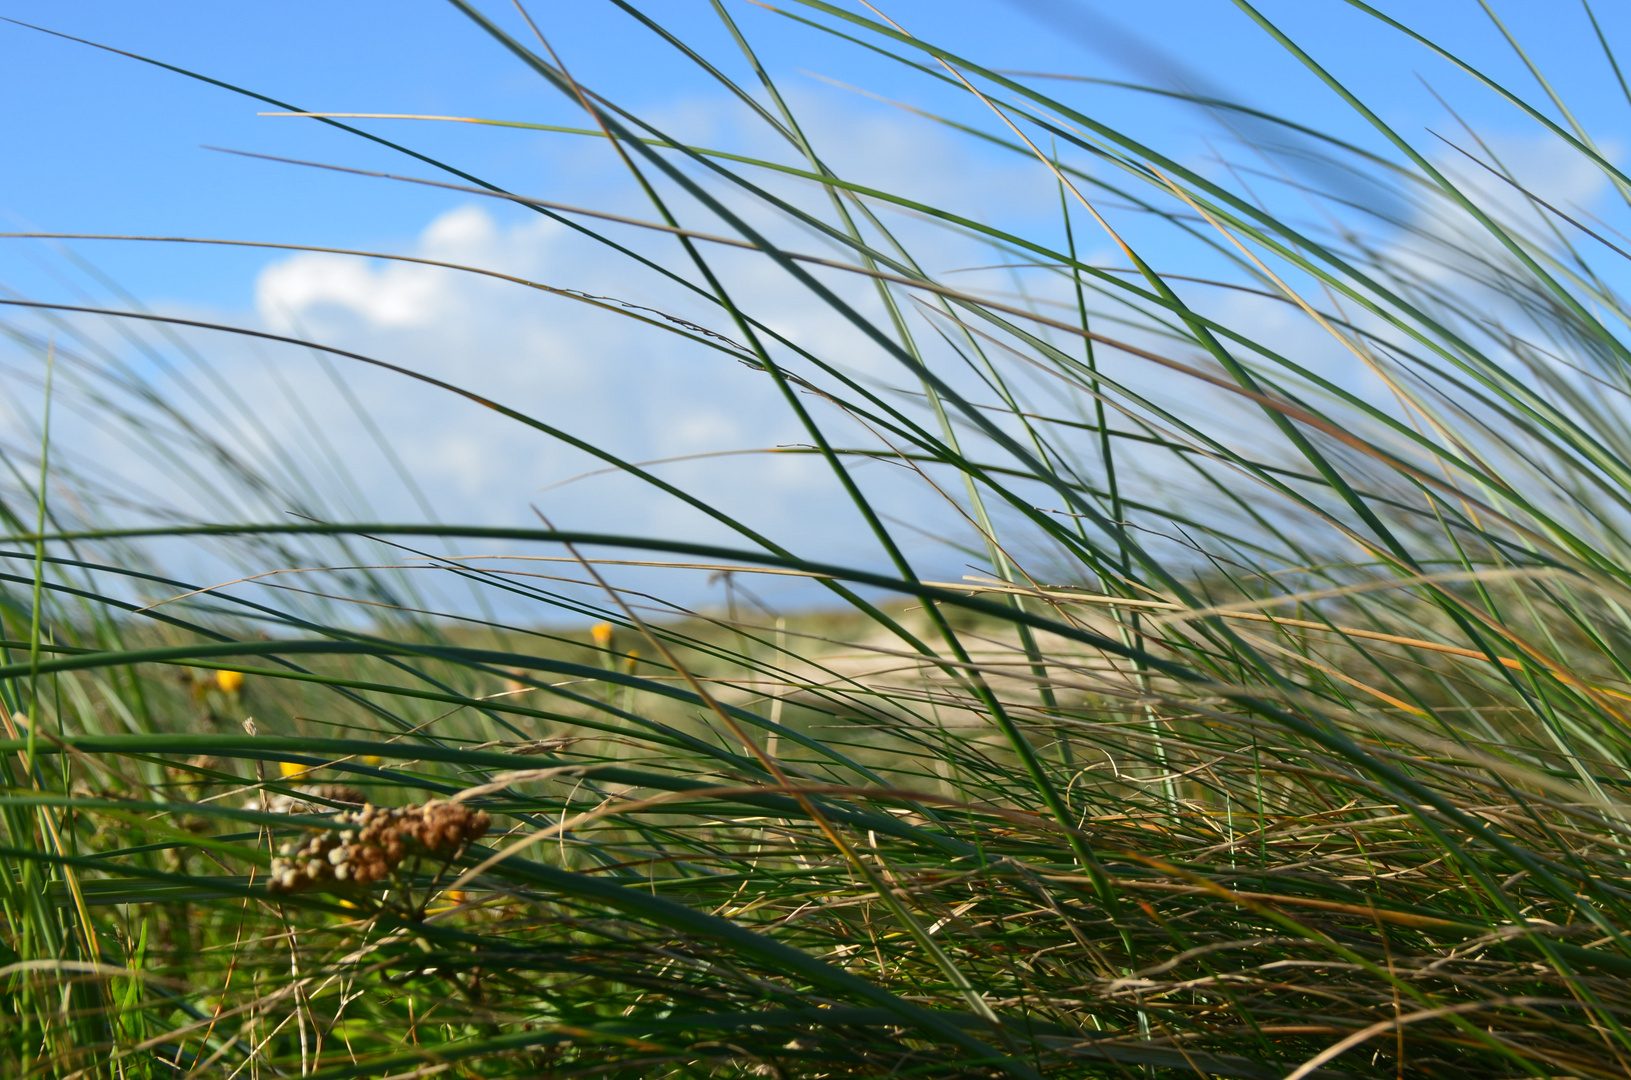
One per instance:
(453,898)
(373,761)
(601,632)
(290,770)
(631,660)
(230,681)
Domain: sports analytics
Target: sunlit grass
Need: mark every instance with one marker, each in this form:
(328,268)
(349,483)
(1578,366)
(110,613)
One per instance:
(1281,731)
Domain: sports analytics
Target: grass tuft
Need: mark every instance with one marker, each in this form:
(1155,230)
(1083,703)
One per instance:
(1279,728)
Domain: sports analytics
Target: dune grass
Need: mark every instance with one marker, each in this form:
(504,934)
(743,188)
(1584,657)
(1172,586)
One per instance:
(1281,733)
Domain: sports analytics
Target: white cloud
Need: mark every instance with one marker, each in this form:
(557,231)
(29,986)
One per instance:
(631,388)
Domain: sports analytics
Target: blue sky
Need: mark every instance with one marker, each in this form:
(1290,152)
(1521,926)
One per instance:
(102,143)
(99,142)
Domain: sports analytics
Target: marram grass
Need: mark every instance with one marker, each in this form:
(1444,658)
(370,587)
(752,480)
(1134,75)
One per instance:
(1282,733)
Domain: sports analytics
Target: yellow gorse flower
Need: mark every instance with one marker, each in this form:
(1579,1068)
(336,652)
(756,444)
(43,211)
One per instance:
(290,770)
(230,681)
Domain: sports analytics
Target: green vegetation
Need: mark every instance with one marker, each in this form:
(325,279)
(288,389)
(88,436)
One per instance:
(1284,734)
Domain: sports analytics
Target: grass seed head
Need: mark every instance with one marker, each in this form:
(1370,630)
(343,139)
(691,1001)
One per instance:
(368,844)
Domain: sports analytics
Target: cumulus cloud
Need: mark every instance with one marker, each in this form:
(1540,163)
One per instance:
(624,385)
(628,387)
(595,371)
